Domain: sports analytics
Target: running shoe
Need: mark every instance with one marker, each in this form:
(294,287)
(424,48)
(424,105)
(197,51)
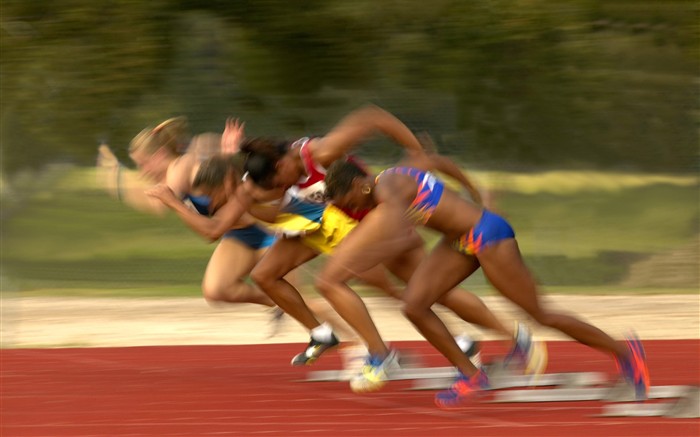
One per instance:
(470,348)
(462,390)
(314,350)
(527,354)
(276,320)
(633,368)
(353,357)
(375,373)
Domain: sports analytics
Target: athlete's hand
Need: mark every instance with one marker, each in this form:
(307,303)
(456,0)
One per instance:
(233,136)
(105,157)
(163,193)
(108,168)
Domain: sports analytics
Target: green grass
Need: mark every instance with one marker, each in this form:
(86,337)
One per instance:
(579,233)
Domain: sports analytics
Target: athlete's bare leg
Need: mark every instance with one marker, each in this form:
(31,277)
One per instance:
(359,252)
(463,303)
(224,278)
(269,274)
(325,312)
(377,277)
(504,267)
(439,273)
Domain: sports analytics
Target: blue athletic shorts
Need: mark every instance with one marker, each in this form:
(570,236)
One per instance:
(252,236)
(490,229)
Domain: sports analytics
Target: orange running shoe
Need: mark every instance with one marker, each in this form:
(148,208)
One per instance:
(633,368)
(463,389)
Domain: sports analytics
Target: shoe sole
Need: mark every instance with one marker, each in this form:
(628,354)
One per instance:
(309,361)
(374,387)
(462,402)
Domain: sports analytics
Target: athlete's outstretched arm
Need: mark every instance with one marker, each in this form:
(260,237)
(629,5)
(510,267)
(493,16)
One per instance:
(445,165)
(359,126)
(125,184)
(211,228)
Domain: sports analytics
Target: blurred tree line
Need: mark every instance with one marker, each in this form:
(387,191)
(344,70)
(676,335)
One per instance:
(526,84)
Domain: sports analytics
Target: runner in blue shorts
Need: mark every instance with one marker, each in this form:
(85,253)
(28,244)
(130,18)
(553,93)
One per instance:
(407,196)
(167,160)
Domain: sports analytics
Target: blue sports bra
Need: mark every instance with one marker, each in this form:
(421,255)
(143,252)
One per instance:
(200,203)
(428,193)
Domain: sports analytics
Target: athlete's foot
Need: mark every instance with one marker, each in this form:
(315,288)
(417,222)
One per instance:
(353,356)
(314,350)
(529,355)
(375,373)
(633,368)
(464,389)
(276,320)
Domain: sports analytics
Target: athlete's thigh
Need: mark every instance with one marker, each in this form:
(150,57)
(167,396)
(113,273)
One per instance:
(403,265)
(379,236)
(282,257)
(231,261)
(439,272)
(504,267)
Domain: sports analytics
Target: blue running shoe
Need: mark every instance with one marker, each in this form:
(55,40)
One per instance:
(463,389)
(634,369)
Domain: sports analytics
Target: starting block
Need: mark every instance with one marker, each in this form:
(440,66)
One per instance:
(401,374)
(614,394)
(569,387)
(620,398)
(504,380)
(686,407)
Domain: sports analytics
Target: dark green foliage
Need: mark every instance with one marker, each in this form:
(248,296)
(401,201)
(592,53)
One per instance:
(500,84)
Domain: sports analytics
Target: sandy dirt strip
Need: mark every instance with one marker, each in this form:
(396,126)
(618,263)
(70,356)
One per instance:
(92,322)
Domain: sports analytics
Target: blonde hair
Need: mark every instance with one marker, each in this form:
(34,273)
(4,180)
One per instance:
(171,134)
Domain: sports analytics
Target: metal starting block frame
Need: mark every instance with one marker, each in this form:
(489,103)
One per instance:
(686,407)
(568,387)
(503,381)
(607,394)
(400,374)
(620,398)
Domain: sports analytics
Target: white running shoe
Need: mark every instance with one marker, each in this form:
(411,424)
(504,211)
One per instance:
(471,348)
(375,373)
(528,354)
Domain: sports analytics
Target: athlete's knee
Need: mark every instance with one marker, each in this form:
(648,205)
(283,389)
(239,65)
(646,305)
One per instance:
(211,292)
(325,284)
(261,277)
(216,293)
(413,310)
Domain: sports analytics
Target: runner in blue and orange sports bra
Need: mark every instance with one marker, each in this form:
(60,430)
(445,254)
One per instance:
(490,229)
(408,196)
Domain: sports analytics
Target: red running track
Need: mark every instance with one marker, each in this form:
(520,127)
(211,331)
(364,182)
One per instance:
(252,391)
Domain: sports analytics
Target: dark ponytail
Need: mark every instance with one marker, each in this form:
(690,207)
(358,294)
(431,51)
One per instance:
(262,155)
